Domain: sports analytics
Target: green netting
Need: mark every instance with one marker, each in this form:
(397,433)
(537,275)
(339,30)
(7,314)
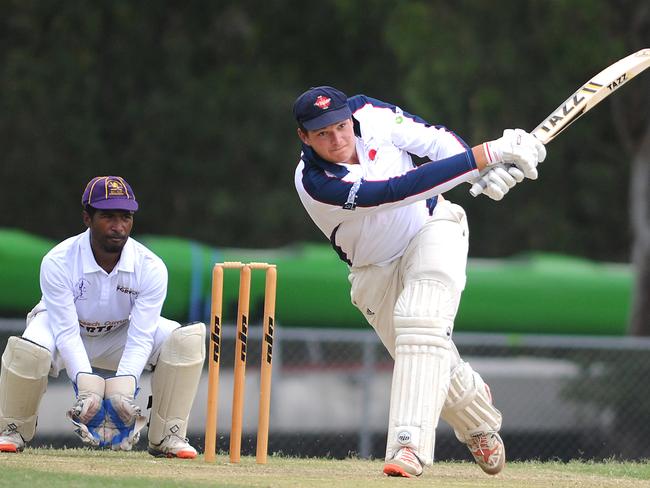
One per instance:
(536,293)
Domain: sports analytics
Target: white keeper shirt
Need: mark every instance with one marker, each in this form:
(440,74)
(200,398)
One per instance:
(370,211)
(83,300)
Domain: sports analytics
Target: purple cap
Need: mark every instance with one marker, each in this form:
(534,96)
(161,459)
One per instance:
(109,193)
(321,106)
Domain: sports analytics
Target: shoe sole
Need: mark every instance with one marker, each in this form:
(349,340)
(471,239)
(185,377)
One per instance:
(180,454)
(396,470)
(496,470)
(9,448)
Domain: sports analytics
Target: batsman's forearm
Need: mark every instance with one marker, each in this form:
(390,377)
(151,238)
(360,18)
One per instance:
(480,157)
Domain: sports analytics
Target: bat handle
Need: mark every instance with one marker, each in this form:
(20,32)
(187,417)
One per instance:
(477,188)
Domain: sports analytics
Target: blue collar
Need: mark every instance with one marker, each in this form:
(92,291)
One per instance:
(310,157)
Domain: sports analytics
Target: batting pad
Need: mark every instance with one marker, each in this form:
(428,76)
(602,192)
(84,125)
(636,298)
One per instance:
(23,380)
(421,371)
(468,407)
(175,381)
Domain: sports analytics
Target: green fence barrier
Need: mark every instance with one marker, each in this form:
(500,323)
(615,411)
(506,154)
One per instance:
(536,293)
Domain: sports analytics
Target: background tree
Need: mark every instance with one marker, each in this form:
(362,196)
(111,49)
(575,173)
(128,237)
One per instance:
(191,101)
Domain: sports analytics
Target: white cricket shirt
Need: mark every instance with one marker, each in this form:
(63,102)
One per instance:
(370,211)
(83,300)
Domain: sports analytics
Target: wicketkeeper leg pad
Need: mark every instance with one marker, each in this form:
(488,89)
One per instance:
(23,380)
(175,381)
(421,371)
(468,407)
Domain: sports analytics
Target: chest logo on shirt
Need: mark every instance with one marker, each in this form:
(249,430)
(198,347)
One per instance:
(372,154)
(322,102)
(128,291)
(80,289)
(351,202)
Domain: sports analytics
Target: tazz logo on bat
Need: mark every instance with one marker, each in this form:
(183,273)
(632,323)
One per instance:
(565,110)
(617,82)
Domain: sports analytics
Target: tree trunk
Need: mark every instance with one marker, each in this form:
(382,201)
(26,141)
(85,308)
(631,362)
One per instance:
(640,220)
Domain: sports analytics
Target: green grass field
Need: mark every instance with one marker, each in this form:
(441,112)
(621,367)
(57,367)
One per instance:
(54,468)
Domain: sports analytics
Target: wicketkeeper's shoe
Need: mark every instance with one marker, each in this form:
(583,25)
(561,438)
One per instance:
(488,451)
(405,463)
(173,446)
(11,441)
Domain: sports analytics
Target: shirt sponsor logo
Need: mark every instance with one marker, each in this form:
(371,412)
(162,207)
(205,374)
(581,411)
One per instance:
(96,328)
(322,102)
(351,202)
(128,291)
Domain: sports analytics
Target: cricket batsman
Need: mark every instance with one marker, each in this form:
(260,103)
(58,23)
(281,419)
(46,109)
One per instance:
(406,247)
(102,294)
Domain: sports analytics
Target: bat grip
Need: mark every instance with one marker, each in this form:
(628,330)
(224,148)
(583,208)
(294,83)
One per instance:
(477,188)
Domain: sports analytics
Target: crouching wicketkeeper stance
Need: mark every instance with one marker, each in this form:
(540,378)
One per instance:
(406,247)
(102,297)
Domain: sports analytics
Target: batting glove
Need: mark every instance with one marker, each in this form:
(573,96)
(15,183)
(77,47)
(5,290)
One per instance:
(496,181)
(517,147)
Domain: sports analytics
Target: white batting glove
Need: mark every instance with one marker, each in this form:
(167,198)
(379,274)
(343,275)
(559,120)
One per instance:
(497,181)
(87,414)
(517,147)
(124,420)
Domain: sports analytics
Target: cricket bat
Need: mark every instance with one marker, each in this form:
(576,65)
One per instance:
(585,98)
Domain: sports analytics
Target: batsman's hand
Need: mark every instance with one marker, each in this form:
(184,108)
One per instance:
(519,148)
(124,420)
(496,181)
(87,413)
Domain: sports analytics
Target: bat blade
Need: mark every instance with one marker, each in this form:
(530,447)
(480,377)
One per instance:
(591,94)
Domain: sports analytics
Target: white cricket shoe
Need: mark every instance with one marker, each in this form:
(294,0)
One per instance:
(488,451)
(405,463)
(173,446)
(11,441)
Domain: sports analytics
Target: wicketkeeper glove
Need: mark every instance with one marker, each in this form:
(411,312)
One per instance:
(87,414)
(124,420)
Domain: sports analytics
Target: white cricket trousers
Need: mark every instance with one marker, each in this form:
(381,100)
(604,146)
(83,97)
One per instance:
(104,351)
(438,251)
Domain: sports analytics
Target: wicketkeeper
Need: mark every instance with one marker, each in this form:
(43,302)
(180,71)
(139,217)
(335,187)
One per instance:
(102,294)
(406,247)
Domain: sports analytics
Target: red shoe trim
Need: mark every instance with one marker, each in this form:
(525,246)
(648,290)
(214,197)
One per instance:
(186,454)
(395,470)
(8,447)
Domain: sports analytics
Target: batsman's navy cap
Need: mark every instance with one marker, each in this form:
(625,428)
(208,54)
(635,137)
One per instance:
(109,193)
(321,106)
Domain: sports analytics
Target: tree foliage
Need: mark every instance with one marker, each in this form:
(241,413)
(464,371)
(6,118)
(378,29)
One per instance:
(191,102)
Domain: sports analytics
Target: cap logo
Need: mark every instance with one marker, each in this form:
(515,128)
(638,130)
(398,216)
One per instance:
(115,189)
(322,102)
